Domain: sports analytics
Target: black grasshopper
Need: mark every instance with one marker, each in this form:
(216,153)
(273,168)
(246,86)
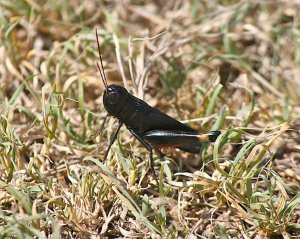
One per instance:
(153,128)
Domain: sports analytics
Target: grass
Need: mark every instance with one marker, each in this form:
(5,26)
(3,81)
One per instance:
(216,65)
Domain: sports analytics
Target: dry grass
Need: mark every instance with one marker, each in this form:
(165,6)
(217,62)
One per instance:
(229,65)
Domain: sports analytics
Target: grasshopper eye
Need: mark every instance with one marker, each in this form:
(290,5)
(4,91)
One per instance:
(113,98)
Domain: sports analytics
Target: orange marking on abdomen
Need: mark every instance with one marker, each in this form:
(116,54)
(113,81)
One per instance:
(203,137)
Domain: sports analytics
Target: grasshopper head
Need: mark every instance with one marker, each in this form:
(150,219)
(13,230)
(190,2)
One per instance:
(114,98)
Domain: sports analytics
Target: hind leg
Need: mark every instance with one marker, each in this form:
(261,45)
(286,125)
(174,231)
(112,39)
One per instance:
(149,148)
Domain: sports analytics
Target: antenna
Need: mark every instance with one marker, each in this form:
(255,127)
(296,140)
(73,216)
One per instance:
(101,69)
